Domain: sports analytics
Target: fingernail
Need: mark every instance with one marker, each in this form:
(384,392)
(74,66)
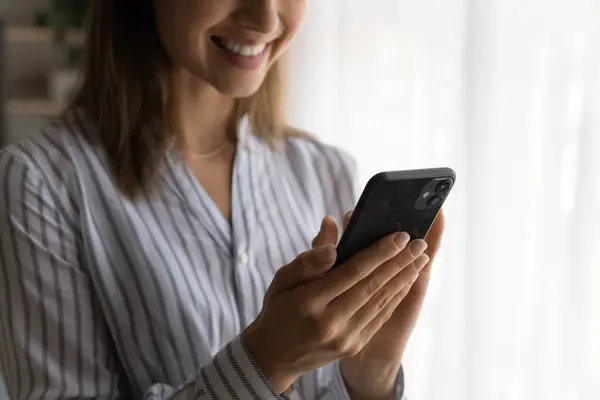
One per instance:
(326,253)
(418,247)
(421,262)
(401,239)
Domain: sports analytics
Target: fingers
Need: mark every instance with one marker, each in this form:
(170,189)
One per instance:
(347,275)
(307,266)
(347,217)
(434,241)
(400,283)
(328,234)
(435,234)
(378,288)
(380,319)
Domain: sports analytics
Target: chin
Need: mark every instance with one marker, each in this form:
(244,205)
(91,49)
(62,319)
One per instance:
(238,88)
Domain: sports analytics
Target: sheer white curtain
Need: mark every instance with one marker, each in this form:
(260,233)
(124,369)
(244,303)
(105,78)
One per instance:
(507,92)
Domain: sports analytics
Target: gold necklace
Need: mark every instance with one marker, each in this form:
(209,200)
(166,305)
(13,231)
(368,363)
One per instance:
(213,153)
(203,156)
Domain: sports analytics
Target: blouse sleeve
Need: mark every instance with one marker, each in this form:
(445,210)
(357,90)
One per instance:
(54,340)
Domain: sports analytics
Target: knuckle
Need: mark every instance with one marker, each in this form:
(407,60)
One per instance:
(414,275)
(313,325)
(344,345)
(314,242)
(353,350)
(401,261)
(381,302)
(409,272)
(355,270)
(304,257)
(324,331)
(389,310)
(372,286)
(385,246)
(400,297)
(299,260)
(311,308)
(303,308)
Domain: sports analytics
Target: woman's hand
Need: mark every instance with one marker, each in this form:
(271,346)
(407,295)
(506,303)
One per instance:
(372,373)
(310,318)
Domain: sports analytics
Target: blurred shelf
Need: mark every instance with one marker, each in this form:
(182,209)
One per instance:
(32,34)
(34,107)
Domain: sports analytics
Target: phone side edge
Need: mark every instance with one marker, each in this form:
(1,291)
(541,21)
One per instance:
(416,174)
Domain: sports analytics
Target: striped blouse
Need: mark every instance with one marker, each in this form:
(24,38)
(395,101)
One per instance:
(104,297)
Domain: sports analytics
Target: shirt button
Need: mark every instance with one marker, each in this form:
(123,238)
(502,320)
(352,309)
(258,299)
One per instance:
(243,258)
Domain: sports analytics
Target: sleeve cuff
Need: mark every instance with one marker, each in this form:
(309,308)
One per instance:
(337,386)
(400,385)
(233,373)
(338,390)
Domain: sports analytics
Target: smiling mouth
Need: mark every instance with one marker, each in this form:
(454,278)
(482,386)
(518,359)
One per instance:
(243,50)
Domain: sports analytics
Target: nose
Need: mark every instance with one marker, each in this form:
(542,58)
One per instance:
(259,15)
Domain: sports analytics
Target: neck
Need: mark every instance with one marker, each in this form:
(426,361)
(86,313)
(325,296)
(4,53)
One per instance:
(203,118)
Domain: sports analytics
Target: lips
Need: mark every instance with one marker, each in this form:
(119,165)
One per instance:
(240,49)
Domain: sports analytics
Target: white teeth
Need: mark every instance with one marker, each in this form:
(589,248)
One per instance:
(246,51)
(243,50)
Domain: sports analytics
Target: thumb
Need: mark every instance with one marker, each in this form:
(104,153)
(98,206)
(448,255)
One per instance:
(435,235)
(306,267)
(328,234)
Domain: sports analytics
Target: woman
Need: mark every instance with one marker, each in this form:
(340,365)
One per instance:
(143,234)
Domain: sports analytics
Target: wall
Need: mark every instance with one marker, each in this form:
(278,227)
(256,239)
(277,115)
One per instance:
(27,64)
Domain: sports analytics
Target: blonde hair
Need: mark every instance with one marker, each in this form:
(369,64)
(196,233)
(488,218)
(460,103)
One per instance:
(125,89)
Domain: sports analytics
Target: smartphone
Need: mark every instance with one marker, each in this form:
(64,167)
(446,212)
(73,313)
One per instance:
(396,201)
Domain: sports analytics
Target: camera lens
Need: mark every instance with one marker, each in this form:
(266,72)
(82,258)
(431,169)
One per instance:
(443,186)
(435,201)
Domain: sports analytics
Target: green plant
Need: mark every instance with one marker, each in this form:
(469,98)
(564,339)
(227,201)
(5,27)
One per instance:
(64,16)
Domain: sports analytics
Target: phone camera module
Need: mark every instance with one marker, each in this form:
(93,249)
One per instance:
(443,186)
(435,201)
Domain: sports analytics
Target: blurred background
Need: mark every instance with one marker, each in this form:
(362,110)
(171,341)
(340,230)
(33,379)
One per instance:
(506,92)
